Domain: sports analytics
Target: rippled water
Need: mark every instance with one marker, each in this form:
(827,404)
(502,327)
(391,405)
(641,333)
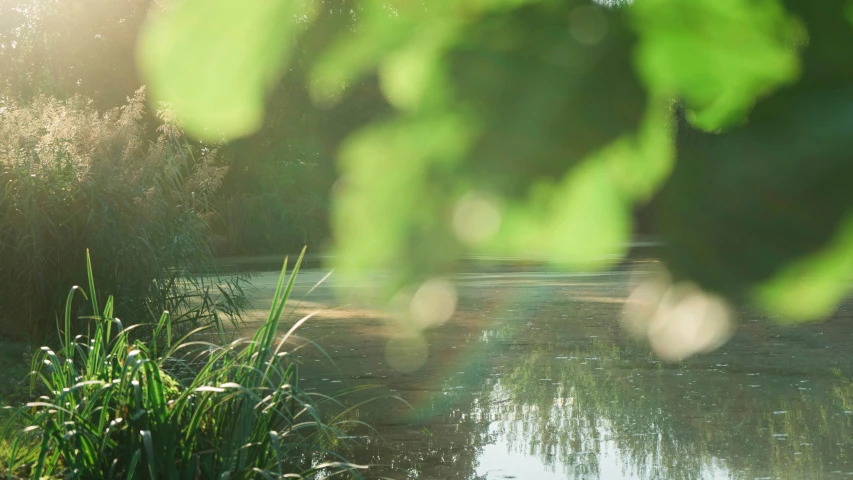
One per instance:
(533,378)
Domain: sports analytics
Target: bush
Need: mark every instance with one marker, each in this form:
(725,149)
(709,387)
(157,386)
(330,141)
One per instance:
(72,178)
(118,408)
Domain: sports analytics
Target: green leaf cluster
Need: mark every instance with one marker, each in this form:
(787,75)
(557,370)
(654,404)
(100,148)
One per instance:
(539,127)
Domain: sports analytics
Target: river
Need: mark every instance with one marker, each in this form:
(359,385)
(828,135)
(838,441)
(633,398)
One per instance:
(534,378)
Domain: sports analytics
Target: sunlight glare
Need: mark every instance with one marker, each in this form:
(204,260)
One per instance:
(433,304)
(678,320)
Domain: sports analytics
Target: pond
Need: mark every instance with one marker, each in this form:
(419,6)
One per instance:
(534,378)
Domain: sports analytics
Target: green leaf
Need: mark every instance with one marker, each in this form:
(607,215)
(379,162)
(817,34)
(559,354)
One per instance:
(811,288)
(399,222)
(717,55)
(214,60)
(584,222)
(640,163)
(381,29)
(412,76)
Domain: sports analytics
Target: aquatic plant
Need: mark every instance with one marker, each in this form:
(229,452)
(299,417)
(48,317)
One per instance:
(115,407)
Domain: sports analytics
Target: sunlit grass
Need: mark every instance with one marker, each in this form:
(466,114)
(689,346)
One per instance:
(117,407)
(73,177)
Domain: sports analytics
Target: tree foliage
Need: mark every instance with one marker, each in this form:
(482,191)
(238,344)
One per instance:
(537,126)
(64,49)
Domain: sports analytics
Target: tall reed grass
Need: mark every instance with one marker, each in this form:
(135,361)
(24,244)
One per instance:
(73,178)
(118,408)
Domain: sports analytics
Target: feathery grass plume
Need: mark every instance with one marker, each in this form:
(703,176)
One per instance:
(73,178)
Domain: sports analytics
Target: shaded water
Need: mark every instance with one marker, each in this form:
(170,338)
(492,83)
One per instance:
(533,378)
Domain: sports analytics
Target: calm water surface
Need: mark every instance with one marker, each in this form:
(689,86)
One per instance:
(533,378)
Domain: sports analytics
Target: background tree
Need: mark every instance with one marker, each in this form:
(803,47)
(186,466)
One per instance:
(70,48)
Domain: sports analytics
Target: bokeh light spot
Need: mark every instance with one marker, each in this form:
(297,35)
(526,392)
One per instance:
(476,219)
(642,304)
(678,320)
(433,304)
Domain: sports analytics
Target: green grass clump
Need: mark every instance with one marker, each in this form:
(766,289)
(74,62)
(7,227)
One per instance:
(118,408)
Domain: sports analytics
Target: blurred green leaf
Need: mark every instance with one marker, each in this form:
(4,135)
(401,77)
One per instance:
(388,35)
(214,60)
(545,95)
(812,287)
(392,202)
(413,76)
(718,55)
(381,29)
(537,99)
(639,164)
(543,124)
(583,222)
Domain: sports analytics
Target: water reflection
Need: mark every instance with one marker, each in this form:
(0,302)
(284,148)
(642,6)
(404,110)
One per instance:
(581,399)
(534,378)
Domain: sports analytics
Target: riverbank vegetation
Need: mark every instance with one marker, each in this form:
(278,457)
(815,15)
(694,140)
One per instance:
(89,163)
(110,405)
(73,178)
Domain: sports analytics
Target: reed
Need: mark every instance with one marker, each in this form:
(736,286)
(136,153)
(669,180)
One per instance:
(73,178)
(118,408)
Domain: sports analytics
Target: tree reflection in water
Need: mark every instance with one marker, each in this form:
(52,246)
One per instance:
(555,379)
(773,402)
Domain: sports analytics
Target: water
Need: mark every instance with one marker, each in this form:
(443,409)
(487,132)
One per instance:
(533,378)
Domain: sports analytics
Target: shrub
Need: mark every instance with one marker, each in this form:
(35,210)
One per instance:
(119,408)
(73,178)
